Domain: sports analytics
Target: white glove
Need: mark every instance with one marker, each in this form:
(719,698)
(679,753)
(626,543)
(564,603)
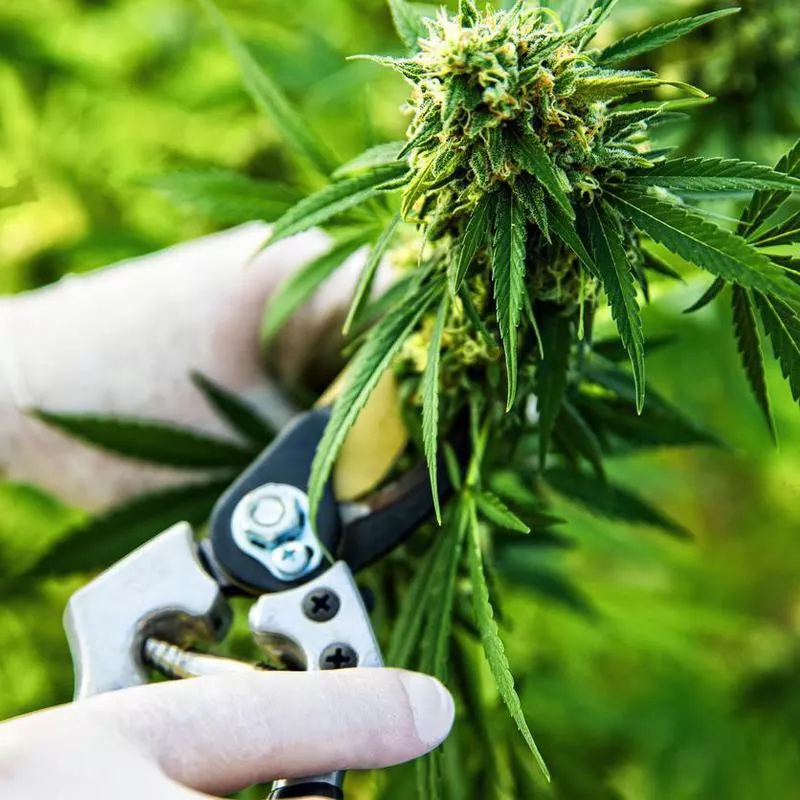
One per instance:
(207,736)
(123,341)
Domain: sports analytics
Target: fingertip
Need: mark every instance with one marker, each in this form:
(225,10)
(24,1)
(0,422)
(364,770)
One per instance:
(431,705)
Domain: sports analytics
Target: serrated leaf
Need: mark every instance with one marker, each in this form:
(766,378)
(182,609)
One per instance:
(552,372)
(709,295)
(564,229)
(475,236)
(609,500)
(531,195)
(150,441)
(782,325)
(647,40)
(783,233)
(376,354)
(297,290)
(382,155)
(530,153)
(494,510)
(611,84)
(366,278)
(748,343)
(436,639)
(618,282)
(270,100)
(623,430)
(430,402)
(242,417)
(490,637)
(103,540)
(508,273)
(765,203)
(407,628)
(572,429)
(226,197)
(714,249)
(408,23)
(711,174)
(331,201)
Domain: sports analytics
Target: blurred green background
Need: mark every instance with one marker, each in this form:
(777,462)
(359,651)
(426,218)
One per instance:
(684,681)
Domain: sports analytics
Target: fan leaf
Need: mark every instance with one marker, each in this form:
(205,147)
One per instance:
(490,636)
(749,344)
(652,38)
(618,282)
(430,402)
(688,235)
(552,372)
(150,441)
(332,200)
(374,357)
(508,271)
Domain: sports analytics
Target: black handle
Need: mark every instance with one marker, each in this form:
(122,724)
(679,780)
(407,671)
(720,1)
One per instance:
(286,461)
(311,789)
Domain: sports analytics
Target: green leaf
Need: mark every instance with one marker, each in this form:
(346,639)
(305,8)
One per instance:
(407,628)
(618,282)
(610,84)
(531,194)
(367,277)
(508,271)
(382,155)
(475,235)
(749,344)
(242,417)
(552,372)
(304,282)
(611,501)
(408,22)
(709,295)
(531,154)
(564,229)
(430,402)
(711,174)
(225,197)
(436,639)
(765,203)
(496,511)
(270,100)
(150,441)
(688,235)
(103,540)
(573,430)
(652,38)
(490,637)
(782,325)
(376,354)
(332,200)
(783,233)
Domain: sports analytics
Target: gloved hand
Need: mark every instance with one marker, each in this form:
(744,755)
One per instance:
(207,736)
(123,340)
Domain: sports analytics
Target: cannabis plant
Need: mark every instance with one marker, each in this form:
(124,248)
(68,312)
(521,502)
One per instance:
(528,203)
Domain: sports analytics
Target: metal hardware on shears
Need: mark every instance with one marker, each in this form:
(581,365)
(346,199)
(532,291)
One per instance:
(308,612)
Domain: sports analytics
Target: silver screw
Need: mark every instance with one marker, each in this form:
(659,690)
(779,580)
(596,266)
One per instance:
(267,511)
(291,558)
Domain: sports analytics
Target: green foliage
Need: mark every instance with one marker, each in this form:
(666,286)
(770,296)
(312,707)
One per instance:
(430,402)
(154,442)
(270,100)
(651,39)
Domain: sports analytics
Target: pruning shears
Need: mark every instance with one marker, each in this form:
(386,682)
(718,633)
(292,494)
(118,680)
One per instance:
(308,612)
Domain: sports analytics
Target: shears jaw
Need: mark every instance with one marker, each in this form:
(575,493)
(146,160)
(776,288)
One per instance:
(160,590)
